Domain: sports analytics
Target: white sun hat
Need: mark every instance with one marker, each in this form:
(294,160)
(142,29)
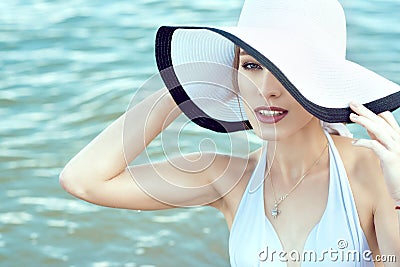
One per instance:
(301,42)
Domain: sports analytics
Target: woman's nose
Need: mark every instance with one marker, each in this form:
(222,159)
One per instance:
(270,86)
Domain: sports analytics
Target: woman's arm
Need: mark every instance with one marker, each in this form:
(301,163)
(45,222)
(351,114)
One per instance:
(99,173)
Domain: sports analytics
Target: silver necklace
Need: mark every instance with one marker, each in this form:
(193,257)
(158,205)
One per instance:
(275,211)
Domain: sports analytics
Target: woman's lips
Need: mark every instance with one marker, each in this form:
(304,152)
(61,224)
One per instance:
(270,115)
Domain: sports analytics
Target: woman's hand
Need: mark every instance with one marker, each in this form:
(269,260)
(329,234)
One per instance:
(385,142)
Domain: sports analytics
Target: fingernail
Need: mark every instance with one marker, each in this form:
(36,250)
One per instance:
(353,116)
(355,104)
(354,141)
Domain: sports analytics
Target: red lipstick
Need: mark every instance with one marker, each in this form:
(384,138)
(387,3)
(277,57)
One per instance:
(270,115)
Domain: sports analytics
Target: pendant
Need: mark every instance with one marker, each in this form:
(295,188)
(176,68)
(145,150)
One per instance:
(275,212)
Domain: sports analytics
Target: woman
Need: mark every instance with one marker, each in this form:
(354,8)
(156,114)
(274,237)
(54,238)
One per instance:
(307,197)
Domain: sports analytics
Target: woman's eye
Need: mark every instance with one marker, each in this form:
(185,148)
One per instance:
(251,66)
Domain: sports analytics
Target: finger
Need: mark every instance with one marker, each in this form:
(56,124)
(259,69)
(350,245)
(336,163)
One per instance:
(374,129)
(363,111)
(373,137)
(390,119)
(382,127)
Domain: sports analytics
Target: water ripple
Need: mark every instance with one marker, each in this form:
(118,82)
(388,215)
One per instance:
(15,218)
(58,204)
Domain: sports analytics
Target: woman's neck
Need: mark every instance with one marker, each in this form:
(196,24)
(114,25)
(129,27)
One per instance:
(293,156)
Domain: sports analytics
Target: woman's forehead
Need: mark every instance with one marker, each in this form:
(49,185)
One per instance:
(243,52)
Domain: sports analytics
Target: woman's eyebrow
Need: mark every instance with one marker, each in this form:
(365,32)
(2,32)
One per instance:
(243,53)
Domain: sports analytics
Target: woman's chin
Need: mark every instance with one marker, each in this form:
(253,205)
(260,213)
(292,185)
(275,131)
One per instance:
(283,130)
(270,134)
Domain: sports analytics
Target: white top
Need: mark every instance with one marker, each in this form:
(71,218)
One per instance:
(336,240)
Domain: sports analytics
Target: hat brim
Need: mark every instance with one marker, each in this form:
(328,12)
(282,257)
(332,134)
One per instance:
(320,80)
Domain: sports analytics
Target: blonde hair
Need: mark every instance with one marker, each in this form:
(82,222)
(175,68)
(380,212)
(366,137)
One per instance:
(235,65)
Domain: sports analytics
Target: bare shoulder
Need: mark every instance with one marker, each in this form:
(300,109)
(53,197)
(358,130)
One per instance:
(361,162)
(363,169)
(367,184)
(233,168)
(231,176)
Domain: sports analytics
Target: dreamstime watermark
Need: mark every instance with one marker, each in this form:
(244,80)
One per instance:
(339,254)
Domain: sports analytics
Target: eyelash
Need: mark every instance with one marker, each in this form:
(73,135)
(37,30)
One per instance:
(251,66)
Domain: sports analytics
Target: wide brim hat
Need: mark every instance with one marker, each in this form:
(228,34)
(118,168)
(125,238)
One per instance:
(301,42)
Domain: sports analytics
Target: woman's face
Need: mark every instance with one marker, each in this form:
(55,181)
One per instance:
(273,113)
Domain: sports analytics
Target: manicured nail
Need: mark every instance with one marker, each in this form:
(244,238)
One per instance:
(353,116)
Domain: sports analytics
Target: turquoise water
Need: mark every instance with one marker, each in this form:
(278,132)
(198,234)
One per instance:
(68,68)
